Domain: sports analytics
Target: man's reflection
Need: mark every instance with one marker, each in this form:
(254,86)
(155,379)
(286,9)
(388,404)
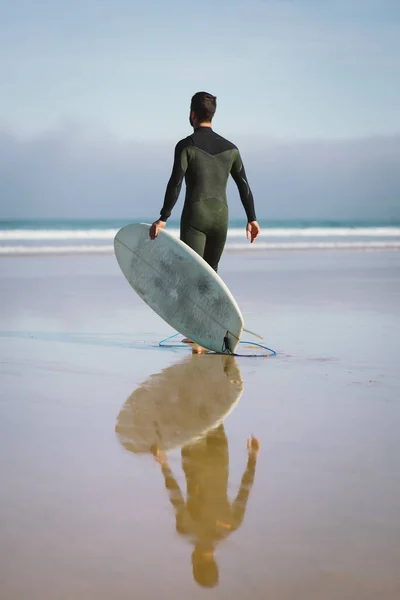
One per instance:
(207,516)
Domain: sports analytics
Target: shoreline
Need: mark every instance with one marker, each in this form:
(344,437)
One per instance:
(93,251)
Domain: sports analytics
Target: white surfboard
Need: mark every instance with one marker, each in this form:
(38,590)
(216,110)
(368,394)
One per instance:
(180,287)
(181,404)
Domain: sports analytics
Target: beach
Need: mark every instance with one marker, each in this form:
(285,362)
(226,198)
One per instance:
(86,513)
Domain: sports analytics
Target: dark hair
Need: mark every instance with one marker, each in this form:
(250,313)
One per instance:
(204,105)
(205,571)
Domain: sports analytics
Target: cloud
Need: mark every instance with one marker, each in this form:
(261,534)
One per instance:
(74,174)
(353,179)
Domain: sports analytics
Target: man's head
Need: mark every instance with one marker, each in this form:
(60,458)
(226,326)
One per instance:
(205,569)
(202,108)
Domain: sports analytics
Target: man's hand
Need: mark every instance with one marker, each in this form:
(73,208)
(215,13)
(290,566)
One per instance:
(155,228)
(253,446)
(252,231)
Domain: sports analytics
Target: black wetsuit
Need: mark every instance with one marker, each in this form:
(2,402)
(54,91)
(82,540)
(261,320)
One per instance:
(207,515)
(205,160)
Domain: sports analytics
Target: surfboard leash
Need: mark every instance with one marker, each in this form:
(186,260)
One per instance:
(227,350)
(225,347)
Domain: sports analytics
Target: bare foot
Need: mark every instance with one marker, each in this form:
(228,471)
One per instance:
(198,350)
(187,341)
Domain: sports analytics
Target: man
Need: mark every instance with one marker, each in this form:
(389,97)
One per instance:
(207,516)
(206,159)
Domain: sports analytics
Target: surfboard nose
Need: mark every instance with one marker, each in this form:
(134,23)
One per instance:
(134,231)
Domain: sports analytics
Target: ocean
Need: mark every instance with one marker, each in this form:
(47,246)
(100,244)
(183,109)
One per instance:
(96,236)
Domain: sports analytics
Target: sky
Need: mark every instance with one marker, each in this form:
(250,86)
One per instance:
(95,94)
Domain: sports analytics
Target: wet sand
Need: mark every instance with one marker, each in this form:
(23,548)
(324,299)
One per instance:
(87,513)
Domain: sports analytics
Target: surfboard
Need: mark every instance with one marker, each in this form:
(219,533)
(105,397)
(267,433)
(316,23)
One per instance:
(180,287)
(181,404)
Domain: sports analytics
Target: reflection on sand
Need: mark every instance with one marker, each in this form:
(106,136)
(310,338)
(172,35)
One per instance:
(207,516)
(180,404)
(185,406)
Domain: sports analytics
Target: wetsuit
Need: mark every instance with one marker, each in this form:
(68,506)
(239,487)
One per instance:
(208,516)
(205,160)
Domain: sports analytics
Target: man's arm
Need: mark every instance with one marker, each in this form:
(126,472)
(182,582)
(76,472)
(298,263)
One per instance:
(175,181)
(174,491)
(184,524)
(240,502)
(239,175)
(173,188)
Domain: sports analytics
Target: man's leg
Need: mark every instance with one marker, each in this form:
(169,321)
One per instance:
(193,238)
(214,247)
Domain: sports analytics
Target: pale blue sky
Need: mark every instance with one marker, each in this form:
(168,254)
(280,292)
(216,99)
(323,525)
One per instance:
(280,68)
(95,93)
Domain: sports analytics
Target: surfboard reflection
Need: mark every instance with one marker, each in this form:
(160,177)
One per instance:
(180,404)
(185,406)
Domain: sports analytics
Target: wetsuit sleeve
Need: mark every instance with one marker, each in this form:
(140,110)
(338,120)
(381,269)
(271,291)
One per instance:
(177,501)
(239,175)
(175,181)
(174,491)
(239,504)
